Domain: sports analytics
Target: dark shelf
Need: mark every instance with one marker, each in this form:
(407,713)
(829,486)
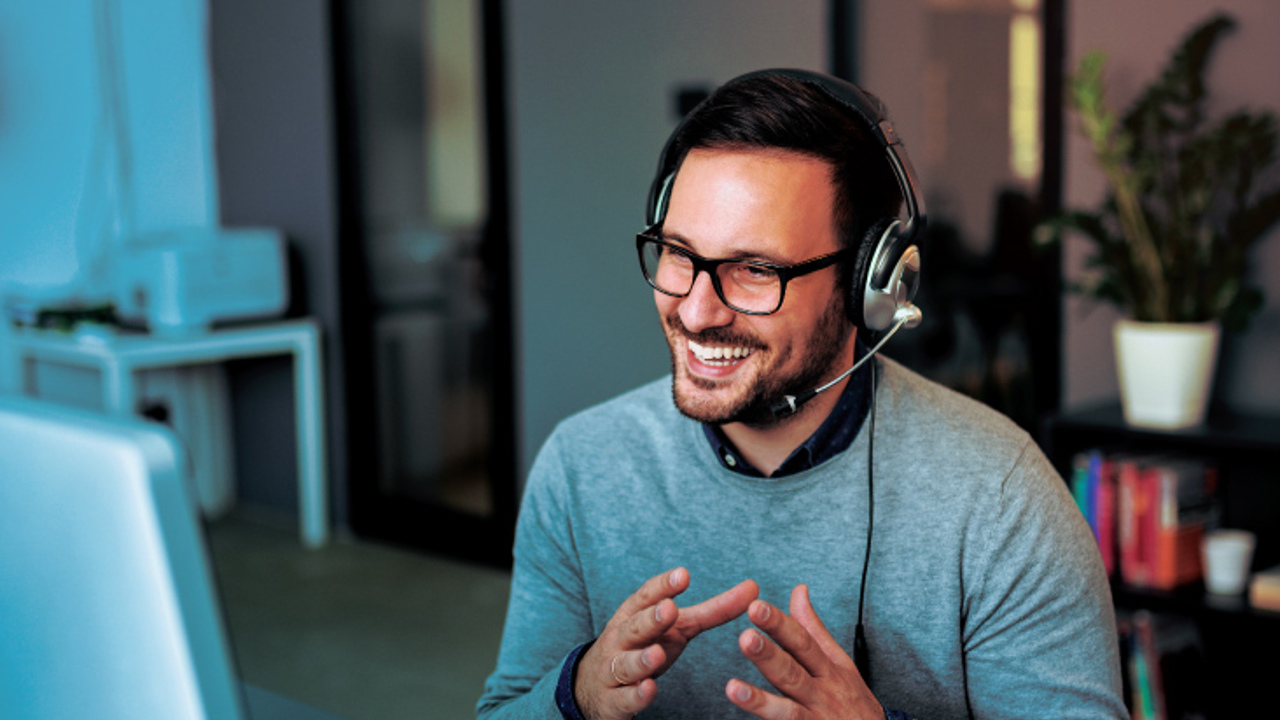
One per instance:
(1224,430)
(1191,600)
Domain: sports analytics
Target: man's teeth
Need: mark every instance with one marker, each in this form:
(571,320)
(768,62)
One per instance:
(720,355)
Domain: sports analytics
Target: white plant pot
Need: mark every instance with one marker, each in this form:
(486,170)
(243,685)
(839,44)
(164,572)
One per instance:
(1166,371)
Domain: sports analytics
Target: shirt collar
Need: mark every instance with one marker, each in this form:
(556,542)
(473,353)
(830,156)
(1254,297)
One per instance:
(832,437)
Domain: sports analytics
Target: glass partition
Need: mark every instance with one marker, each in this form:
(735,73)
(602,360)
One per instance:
(428,282)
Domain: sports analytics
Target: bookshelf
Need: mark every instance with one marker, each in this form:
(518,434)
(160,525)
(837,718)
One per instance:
(1241,644)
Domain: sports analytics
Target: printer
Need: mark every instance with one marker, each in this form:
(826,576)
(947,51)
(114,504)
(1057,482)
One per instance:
(181,282)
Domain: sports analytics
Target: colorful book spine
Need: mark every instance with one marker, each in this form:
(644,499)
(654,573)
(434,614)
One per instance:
(1094,490)
(1133,508)
(1183,505)
(1151,684)
(1102,468)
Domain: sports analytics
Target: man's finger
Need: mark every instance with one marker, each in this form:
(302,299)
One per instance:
(791,636)
(632,667)
(777,666)
(647,625)
(802,611)
(631,699)
(758,702)
(667,585)
(718,610)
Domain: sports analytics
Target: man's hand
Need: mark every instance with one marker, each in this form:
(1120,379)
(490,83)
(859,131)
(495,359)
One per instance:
(644,638)
(816,677)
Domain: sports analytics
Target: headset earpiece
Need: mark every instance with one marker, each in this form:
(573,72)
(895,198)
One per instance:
(860,271)
(884,277)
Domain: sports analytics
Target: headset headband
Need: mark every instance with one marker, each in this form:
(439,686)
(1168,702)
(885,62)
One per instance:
(847,94)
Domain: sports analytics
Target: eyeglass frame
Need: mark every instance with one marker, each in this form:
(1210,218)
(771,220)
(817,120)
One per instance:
(785,273)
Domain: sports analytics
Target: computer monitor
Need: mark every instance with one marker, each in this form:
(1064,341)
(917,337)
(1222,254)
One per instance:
(107,602)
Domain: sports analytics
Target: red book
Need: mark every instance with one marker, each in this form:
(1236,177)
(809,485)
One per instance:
(1147,512)
(1104,469)
(1131,508)
(1183,509)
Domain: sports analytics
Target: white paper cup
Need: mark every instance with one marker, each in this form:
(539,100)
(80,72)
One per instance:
(1227,555)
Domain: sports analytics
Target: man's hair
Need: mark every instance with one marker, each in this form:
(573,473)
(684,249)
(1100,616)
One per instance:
(777,112)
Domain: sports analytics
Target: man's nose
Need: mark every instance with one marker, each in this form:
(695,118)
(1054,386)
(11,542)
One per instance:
(702,308)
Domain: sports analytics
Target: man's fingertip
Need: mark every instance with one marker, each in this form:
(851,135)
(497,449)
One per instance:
(646,690)
(758,611)
(675,577)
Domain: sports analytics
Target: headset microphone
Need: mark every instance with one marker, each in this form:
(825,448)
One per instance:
(908,315)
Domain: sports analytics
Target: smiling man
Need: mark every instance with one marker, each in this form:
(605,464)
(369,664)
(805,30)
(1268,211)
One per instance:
(929,560)
(729,367)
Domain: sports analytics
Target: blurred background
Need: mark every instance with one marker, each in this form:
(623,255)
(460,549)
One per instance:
(455,185)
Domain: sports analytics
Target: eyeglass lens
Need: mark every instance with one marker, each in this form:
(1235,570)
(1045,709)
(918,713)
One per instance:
(740,285)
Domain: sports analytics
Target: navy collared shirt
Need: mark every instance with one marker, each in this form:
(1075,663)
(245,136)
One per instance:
(830,439)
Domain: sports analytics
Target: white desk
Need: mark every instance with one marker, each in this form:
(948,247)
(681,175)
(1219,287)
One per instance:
(119,356)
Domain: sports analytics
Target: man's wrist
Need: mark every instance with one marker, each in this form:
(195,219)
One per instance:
(565,699)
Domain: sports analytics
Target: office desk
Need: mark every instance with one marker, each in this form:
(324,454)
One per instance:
(121,355)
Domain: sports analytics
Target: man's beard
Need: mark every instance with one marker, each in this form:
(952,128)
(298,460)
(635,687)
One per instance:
(752,406)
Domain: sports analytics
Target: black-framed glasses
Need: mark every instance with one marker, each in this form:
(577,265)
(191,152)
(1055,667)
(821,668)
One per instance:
(751,287)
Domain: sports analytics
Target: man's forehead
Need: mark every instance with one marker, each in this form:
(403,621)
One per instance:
(764,203)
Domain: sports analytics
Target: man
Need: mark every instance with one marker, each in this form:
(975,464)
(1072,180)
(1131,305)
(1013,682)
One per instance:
(707,541)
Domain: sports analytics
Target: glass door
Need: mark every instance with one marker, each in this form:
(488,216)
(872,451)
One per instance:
(426,276)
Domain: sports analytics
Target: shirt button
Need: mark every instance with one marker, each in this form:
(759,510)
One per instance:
(730,461)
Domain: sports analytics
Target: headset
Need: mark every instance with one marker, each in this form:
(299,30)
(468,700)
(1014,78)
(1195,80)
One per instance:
(885,273)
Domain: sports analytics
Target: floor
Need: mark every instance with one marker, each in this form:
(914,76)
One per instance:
(359,629)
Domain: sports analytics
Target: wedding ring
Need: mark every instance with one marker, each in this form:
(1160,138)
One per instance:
(613,668)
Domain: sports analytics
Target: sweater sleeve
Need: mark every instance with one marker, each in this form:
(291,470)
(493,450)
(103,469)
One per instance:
(1040,638)
(547,613)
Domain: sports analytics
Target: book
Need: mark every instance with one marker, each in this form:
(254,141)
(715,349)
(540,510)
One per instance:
(1102,469)
(1093,487)
(1080,485)
(1134,508)
(1182,508)
(1264,589)
(1149,679)
(1164,506)
(1124,630)
(1163,666)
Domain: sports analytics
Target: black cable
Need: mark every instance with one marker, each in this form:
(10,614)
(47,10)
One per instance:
(861,656)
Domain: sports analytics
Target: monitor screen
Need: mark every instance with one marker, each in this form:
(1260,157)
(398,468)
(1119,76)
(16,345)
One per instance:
(107,603)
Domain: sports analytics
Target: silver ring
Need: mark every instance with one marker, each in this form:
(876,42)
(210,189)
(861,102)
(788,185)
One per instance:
(613,668)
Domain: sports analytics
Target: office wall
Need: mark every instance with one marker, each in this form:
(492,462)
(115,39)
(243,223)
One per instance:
(591,90)
(1242,73)
(275,153)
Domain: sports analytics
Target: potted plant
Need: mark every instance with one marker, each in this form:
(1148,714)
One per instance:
(1172,235)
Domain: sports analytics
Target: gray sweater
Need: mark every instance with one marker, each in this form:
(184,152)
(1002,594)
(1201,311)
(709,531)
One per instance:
(985,596)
